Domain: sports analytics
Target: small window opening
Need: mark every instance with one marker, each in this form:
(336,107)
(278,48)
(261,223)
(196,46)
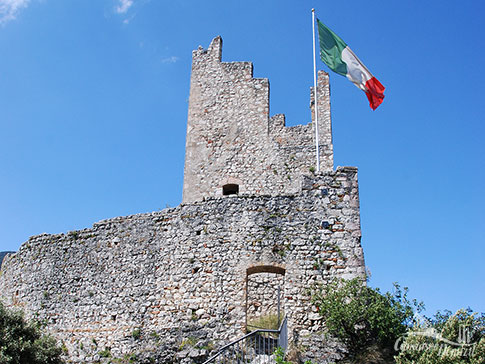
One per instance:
(230,189)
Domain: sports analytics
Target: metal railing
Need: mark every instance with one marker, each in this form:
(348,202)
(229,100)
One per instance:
(257,347)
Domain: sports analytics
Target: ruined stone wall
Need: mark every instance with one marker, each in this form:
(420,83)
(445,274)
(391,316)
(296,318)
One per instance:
(174,285)
(160,283)
(231,139)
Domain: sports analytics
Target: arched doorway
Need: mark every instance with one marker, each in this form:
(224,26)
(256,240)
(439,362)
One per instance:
(264,297)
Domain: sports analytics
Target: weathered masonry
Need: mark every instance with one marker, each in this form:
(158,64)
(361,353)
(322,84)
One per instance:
(233,145)
(172,286)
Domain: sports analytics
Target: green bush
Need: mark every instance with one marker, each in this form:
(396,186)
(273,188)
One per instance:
(365,320)
(23,342)
(279,356)
(449,339)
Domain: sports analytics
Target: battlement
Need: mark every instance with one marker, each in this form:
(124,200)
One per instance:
(233,146)
(206,267)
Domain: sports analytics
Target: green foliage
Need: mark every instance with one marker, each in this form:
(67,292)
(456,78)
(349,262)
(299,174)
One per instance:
(280,356)
(209,346)
(23,342)
(449,339)
(194,317)
(280,249)
(136,334)
(189,341)
(126,359)
(74,234)
(106,353)
(466,317)
(155,335)
(363,318)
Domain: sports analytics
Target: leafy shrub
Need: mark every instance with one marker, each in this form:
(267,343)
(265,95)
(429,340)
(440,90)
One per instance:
(280,356)
(365,320)
(23,342)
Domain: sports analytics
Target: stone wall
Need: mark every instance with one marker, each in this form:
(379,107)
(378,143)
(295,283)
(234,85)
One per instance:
(174,285)
(160,283)
(231,139)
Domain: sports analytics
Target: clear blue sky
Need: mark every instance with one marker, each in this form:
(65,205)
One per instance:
(93,107)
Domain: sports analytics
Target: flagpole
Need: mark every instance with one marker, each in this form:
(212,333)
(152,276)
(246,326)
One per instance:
(317,147)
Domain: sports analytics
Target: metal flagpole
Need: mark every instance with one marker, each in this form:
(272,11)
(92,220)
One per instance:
(315,93)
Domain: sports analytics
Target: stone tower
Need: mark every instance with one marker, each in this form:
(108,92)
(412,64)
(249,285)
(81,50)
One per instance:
(233,145)
(173,286)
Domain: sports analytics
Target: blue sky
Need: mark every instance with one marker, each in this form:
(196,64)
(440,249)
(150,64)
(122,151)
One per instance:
(93,107)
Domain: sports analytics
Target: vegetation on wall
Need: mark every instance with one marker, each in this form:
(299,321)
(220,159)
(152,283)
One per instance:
(365,320)
(386,328)
(23,342)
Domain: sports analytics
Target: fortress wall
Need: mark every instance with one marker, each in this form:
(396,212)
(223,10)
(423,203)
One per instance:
(232,140)
(182,272)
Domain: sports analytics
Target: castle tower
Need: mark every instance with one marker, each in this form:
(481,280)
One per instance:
(148,285)
(233,146)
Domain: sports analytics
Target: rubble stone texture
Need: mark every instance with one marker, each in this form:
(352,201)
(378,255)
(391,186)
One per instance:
(232,140)
(172,286)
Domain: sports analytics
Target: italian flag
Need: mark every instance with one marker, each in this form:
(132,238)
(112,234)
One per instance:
(339,58)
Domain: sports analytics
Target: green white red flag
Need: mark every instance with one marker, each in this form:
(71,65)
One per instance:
(337,55)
